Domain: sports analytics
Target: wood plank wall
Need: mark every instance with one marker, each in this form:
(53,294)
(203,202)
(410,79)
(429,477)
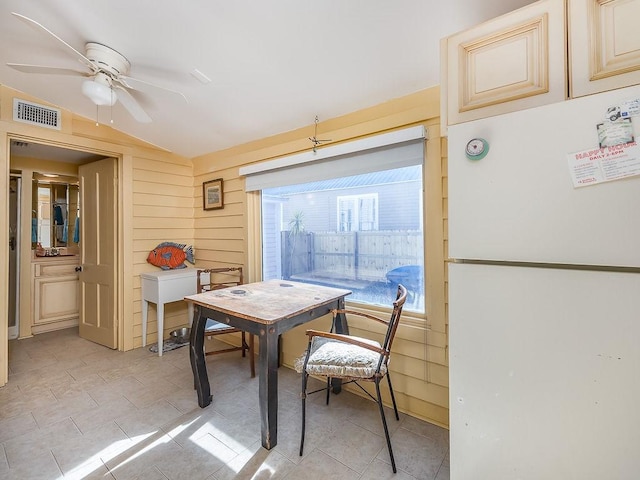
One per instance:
(162,199)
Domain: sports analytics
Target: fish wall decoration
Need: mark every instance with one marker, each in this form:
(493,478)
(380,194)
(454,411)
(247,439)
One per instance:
(170,255)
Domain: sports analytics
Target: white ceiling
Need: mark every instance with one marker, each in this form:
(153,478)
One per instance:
(274,65)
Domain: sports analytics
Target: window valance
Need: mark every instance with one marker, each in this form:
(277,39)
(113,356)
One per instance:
(401,148)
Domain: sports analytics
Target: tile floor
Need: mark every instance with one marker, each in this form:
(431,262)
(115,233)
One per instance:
(75,410)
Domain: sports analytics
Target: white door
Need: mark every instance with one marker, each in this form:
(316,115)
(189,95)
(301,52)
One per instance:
(98,215)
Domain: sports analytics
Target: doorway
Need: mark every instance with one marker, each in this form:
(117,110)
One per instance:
(15,190)
(26,159)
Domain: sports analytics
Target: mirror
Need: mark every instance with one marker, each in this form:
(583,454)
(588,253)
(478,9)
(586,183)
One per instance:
(56,211)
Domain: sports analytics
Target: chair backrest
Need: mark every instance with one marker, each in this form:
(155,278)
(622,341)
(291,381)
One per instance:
(217,278)
(394,321)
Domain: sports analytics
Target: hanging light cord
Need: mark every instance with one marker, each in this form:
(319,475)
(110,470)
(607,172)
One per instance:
(110,110)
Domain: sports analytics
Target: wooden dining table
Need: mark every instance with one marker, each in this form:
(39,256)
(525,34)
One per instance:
(267,310)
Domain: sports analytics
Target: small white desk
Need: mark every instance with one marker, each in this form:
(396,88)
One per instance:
(162,287)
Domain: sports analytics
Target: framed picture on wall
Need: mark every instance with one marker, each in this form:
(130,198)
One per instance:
(212,194)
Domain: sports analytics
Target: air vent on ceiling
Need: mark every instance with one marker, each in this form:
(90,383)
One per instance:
(34,114)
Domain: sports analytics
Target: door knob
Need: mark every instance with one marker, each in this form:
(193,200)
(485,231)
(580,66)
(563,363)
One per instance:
(79,269)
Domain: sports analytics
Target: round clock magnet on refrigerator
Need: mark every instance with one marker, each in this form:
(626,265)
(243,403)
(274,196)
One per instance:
(476,149)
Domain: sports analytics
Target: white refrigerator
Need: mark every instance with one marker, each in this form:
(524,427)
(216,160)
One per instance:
(544,301)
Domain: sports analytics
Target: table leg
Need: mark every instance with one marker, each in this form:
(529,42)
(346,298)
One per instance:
(196,356)
(342,327)
(341,324)
(268,387)
(190,313)
(145,313)
(160,327)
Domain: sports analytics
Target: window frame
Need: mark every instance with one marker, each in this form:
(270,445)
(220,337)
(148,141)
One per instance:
(434,217)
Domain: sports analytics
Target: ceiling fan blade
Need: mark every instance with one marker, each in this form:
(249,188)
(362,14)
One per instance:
(132,105)
(23,67)
(78,54)
(131,82)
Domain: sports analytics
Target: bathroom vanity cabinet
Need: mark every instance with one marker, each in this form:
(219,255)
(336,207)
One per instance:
(55,293)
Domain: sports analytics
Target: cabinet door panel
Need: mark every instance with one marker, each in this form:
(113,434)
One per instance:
(604,45)
(56,298)
(513,62)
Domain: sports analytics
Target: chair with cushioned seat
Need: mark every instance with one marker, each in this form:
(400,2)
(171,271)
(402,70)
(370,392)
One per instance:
(214,279)
(352,359)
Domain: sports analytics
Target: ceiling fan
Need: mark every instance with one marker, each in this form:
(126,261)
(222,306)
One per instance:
(107,74)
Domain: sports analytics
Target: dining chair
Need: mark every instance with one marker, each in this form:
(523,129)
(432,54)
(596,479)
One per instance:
(214,279)
(352,359)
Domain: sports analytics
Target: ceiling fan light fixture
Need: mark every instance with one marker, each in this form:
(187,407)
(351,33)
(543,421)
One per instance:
(99,93)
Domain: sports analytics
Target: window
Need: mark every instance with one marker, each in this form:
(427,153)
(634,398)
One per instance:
(353,222)
(358,212)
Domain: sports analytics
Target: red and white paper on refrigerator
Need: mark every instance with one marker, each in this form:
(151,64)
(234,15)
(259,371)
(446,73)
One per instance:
(598,165)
